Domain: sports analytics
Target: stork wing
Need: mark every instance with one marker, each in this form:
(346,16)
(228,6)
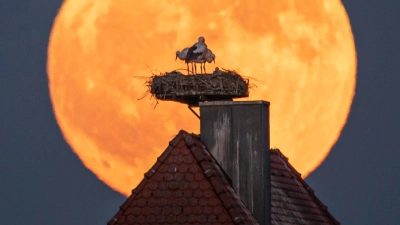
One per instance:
(200,48)
(191,56)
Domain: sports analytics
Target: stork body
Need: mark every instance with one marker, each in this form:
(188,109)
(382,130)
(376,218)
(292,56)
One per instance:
(196,51)
(182,55)
(207,56)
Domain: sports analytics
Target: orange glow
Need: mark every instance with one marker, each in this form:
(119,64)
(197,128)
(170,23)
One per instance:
(302,52)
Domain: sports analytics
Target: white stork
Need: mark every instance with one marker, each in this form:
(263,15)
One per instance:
(196,51)
(207,56)
(182,56)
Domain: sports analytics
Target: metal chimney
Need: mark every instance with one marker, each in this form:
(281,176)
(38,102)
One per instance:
(237,135)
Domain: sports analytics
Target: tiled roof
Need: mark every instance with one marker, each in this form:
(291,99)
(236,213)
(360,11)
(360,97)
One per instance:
(293,201)
(185,186)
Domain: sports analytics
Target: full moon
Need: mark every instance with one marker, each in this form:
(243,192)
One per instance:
(299,55)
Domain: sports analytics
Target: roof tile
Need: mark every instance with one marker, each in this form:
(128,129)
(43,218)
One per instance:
(198,153)
(165,154)
(189,139)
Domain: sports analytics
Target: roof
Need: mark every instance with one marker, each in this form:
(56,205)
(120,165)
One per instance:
(185,185)
(292,200)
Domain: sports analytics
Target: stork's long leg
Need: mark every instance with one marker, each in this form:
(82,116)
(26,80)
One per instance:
(191,63)
(204,67)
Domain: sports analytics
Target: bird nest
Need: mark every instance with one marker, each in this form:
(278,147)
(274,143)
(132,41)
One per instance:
(192,89)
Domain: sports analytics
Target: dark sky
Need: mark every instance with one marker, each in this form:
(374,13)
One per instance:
(43,182)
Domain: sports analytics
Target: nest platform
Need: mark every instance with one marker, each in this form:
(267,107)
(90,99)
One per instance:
(192,89)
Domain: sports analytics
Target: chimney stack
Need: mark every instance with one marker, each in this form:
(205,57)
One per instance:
(237,135)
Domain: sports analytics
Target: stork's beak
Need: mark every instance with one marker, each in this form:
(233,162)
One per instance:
(214,59)
(176,57)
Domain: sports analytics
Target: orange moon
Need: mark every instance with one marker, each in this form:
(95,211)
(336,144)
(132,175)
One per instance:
(299,54)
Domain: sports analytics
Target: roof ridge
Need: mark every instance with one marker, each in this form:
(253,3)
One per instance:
(305,185)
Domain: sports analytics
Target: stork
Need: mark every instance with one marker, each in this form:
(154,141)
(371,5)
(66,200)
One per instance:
(182,56)
(207,56)
(196,51)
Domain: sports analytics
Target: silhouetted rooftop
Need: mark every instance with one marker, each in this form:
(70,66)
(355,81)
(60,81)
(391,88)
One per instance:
(187,186)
